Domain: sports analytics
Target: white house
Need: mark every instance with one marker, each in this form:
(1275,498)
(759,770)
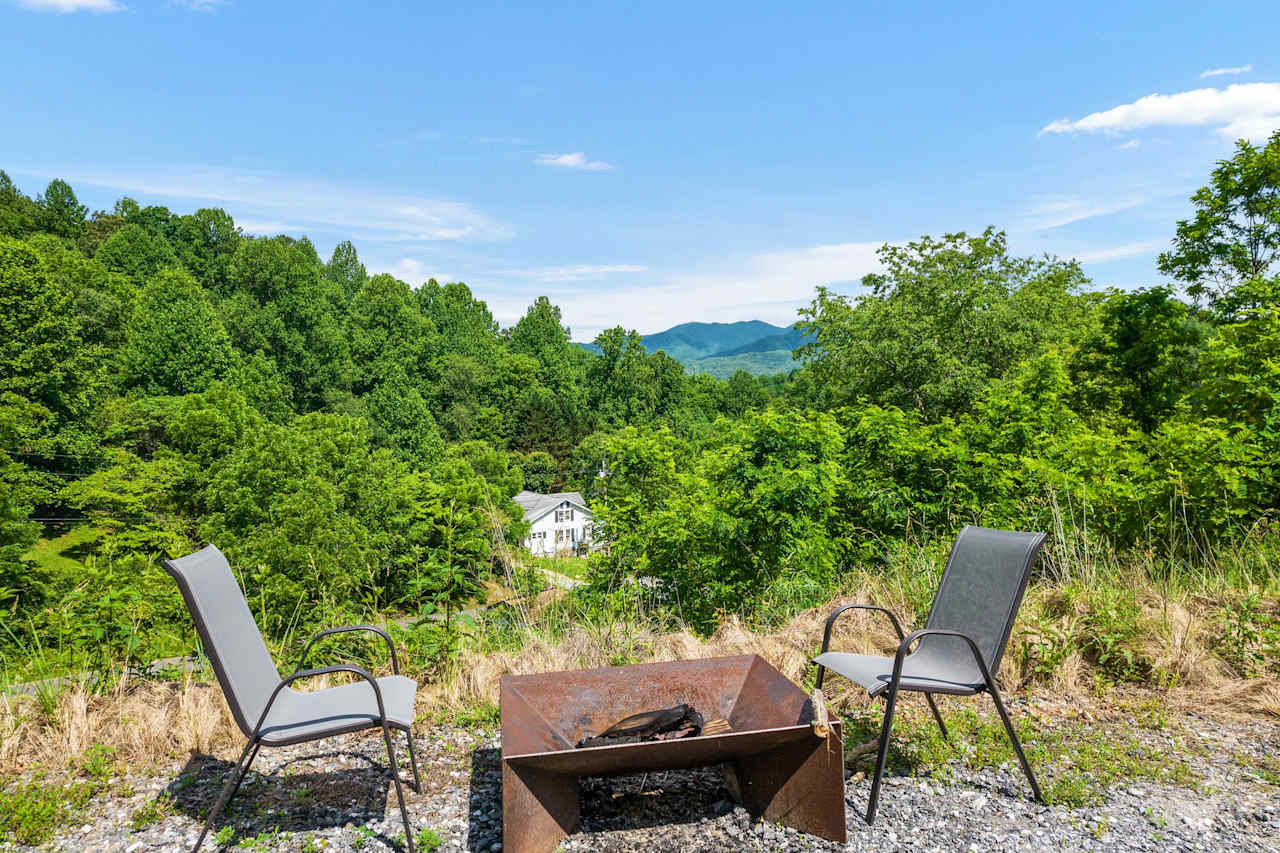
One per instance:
(558,523)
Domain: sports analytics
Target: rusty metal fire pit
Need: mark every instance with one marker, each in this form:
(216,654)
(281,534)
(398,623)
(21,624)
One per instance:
(785,771)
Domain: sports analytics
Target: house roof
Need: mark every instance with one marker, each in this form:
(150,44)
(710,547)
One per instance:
(536,505)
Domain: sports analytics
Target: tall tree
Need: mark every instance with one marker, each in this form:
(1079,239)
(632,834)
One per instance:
(945,318)
(176,342)
(61,212)
(1226,251)
(540,334)
(345,268)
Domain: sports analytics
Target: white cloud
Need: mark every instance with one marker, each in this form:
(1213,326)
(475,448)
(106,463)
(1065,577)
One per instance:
(307,205)
(1054,211)
(412,271)
(1250,109)
(1115,253)
(251,226)
(580,272)
(1130,145)
(67,6)
(576,160)
(766,286)
(1218,72)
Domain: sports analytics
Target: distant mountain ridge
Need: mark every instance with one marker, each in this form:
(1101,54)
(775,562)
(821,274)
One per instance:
(723,348)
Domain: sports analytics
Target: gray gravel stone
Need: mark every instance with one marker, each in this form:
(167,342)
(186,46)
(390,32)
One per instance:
(334,796)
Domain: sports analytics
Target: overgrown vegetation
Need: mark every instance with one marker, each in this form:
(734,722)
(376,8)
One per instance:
(353,443)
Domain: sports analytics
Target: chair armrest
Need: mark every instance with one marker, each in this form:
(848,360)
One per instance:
(346,629)
(831,621)
(324,670)
(905,647)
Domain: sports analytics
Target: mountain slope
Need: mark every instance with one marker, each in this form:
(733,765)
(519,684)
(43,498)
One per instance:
(723,348)
(699,340)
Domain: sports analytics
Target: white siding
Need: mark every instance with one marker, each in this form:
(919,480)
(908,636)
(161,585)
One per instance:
(549,536)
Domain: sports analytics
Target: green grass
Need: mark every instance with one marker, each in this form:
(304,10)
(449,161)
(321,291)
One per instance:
(480,713)
(153,812)
(428,840)
(30,813)
(1075,764)
(574,567)
(50,554)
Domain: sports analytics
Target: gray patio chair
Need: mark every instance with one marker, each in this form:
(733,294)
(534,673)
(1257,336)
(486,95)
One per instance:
(961,644)
(265,706)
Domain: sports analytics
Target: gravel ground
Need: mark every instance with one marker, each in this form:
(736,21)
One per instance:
(333,796)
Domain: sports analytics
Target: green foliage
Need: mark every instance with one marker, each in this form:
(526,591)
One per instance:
(61,213)
(428,840)
(1225,251)
(946,318)
(175,342)
(353,443)
(31,812)
(715,530)
(135,252)
(1076,765)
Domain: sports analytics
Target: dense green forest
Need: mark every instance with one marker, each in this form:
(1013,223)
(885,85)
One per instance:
(353,442)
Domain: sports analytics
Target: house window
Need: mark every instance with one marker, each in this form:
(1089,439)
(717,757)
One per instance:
(565,513)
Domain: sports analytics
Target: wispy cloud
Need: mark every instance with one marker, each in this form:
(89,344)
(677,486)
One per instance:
(1130,145)
(412,271)
(1115,253)
(1054,211)
(66,6)
(767,286)
(1219,72)
(1249,110)
(580,272)
(576,160)
(307,205)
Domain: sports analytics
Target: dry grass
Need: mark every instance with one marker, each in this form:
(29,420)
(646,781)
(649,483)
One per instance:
(155,722)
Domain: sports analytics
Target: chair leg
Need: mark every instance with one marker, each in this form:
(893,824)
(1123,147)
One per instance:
(395,776)
(928,697)
(413,759)
(1017,746)
(883,754)
(229,790)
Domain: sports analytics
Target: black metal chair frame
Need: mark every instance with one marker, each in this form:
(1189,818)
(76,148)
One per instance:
(905,645)
(255,740)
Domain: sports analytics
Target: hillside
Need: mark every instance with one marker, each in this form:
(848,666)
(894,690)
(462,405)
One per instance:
(721,349)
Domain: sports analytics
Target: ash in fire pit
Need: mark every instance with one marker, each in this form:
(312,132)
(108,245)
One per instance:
(674,723)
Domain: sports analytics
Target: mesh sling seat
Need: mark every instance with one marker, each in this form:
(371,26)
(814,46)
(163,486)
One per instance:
(961,644)
(266,707)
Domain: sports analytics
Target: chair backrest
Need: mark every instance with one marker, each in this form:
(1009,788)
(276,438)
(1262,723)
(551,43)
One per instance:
(230,636)
(982,588)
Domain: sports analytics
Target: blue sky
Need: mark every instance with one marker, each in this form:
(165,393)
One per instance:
(649,165)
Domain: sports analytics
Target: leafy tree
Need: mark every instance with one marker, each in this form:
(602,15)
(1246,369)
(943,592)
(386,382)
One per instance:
(22,584)
(176,343)
(42,353)
(1233,239)
(620,386)
(1142,357)
(136,253)
(540,335)
(61,213)
(402,422)
(465,324)
(742,393)
(18,214)
(344,267)
(946,318)
(540,471)
(388,333)
(206,241)
(279,303)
